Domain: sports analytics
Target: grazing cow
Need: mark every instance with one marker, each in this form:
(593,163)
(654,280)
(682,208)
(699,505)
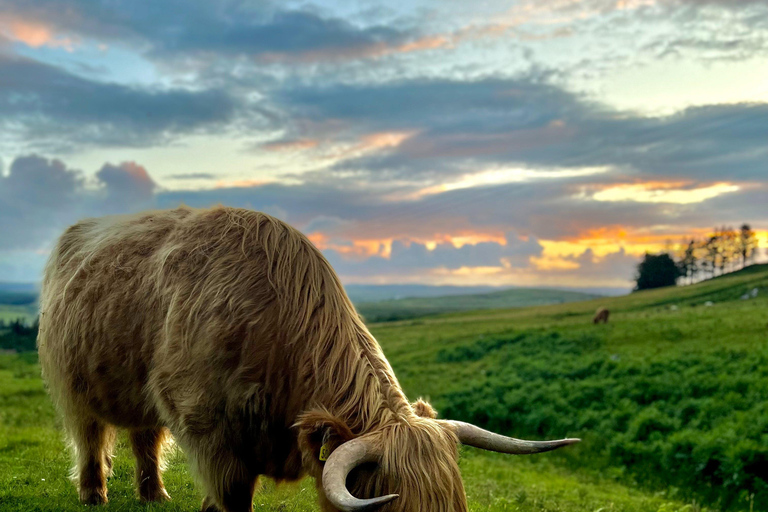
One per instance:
(601,315)
(229,330)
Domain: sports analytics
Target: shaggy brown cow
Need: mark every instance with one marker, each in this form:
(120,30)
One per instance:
(229,329)
(601,315)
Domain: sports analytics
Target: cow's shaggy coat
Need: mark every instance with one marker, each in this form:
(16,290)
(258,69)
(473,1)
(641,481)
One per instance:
(229,329)
(601,316)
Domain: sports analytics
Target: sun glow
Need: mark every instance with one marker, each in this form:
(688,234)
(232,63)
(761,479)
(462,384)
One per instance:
(505,176)
(663,192)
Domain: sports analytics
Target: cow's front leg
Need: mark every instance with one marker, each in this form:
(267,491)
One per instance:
(228,481)
(238,497)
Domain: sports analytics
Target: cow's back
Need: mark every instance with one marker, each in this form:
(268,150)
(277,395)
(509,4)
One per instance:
(169,316)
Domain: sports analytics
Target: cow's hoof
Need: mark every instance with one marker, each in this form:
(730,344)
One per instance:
(157,495)
(209,506)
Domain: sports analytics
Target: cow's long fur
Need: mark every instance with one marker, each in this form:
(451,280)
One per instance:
(228,328)
(601,316)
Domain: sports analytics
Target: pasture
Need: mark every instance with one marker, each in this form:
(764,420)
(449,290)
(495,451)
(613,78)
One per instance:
(669,397)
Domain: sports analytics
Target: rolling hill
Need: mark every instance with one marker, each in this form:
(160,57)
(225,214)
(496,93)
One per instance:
(406,308)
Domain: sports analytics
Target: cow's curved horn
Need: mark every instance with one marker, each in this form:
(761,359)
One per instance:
(343,460)
(473,435)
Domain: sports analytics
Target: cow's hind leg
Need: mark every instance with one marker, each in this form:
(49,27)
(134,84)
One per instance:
(92,441)
(147,448)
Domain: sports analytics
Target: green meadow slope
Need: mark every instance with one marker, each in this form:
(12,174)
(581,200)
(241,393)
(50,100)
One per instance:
(671,394)
(670,399)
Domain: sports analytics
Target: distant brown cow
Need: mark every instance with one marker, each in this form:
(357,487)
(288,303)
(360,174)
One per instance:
(601,315)
(229,329)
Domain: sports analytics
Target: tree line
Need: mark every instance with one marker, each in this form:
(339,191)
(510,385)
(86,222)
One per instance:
(724,250)
(18,335)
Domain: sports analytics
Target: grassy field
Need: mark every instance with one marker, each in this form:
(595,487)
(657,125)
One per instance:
(409,308)
(670,399)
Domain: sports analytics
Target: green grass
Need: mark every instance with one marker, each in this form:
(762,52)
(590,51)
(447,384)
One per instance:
(668,403)
(34,464)
(408,308)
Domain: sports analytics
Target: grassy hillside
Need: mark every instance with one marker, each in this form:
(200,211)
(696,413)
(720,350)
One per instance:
(671,393)
(670,399)
(407,308)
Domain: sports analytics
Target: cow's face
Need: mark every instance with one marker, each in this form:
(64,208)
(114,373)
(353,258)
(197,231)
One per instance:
(416,459)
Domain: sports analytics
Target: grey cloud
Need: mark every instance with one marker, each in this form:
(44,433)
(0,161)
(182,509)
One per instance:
(57,108)
(175,28)
(193,176)
(128,186)
(37,197)
(40,197)
(460,125)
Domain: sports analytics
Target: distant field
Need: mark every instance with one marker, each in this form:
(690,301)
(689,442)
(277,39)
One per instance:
(18,300)
(671,399)
(408,308)
(12,312)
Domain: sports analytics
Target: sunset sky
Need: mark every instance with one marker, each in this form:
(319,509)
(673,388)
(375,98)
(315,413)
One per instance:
(535,142)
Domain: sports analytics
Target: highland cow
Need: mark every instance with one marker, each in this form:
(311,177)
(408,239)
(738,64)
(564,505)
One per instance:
(228,330)
(601,315)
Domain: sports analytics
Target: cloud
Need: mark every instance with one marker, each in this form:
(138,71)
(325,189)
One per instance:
(128,186)
(40,197)
(37,197)
(461,125)
(511,230)
(408,257)
(169,29)
(192,176)
(46,106)
(31,33)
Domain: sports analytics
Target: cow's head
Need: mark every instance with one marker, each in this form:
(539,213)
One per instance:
(406,466)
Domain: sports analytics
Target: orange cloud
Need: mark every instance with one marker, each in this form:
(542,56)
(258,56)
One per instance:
(32,33)
(355,249)
(371,142)
(552,262)
(364,248)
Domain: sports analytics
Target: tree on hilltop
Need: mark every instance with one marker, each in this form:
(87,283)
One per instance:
(746,244)
(657,271)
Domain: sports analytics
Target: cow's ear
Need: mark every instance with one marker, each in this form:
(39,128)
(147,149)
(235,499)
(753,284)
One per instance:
(423,409)
(320,433)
